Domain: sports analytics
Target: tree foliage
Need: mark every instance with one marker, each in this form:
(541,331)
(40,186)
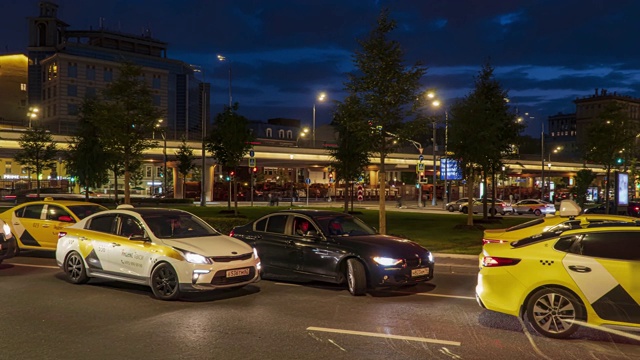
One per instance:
(37,152)
(351,155)
(230,140)
(388,92)
(86,158)
(482,129)
(185,158)
(584,178)
(126,119)
(610,136)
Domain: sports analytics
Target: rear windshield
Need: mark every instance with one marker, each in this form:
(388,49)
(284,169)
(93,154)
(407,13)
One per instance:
(82,211)
(526,225)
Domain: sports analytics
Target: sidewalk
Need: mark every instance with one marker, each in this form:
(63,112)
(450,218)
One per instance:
(456,264)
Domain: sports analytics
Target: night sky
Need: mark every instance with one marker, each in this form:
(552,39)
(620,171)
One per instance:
(282,53)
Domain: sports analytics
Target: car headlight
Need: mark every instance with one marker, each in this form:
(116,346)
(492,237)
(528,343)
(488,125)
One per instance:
(195,258)
(255,253)
(7,231)
(430,256)
(385,261)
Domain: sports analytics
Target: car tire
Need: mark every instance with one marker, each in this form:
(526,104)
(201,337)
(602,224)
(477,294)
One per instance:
(464,210)
(537,212)
(450,208)
(551,312)
(75,269)
(356,277)
(492,212)
(164,282)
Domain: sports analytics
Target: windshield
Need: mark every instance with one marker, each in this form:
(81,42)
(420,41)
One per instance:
(178,226)
(82,211)
(344,226)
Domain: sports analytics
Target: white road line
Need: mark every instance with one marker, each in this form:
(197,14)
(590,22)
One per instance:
(35,266)
(448,296)
(387,336)
(285,284)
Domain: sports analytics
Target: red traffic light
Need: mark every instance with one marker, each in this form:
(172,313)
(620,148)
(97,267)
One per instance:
(232,173)
(255,170)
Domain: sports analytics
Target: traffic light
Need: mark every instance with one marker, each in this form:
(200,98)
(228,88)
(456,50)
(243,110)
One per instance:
(619,161)
(254,170)
(232,174)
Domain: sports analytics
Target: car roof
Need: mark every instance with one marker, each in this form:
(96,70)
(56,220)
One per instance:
(599,226)
(60,202)
(149,210)
(312,212)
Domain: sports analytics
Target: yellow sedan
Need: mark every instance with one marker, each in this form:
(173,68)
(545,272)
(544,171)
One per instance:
(36,224)
(559,281)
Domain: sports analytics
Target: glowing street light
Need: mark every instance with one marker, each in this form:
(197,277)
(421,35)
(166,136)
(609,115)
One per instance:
(321,98)
(224,58)
(32,114)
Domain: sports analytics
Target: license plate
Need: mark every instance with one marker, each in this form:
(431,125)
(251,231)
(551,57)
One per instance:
(419,272)
(238,272)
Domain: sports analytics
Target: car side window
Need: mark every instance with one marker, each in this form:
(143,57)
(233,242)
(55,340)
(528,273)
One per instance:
(261,225)
(303,227)
(102,223)
(57,213)
(610,245)
(277,224)
(32,211)
(129,226)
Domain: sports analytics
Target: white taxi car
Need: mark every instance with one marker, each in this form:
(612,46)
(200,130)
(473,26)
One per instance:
(172,251)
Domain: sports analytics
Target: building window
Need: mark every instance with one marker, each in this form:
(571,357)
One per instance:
(281,134)
(48,93)
(156,100)
(91,72)
(289,134)
(72,90)
(7,167)
(73,70)
(147,171)
(72,109)
(269,133)
(23,87)
(108,74)
(156,82)
(90,92)
(55,90)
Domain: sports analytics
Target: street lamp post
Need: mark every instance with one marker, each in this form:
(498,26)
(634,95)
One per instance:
(542,156)
(224,58)
(435,103)
(32,114)
(163,133)
(321,98)
(203,175)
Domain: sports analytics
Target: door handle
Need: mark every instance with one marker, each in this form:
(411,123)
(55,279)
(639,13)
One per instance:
(45,225)
(115,244)
(82,238)
(580,268)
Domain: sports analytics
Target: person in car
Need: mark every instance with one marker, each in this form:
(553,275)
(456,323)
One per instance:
(302,228)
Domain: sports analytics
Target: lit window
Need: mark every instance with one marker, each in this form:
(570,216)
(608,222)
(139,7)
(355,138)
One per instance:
(281,134)
(23,87)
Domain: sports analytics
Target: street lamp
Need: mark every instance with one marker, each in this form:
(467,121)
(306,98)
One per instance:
(32,114)
(434,103)
(302,135)
(224,58)
(164,155)
(321,98)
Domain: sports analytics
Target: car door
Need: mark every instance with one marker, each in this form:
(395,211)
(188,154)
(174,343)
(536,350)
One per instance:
(95,243)
(604,265)
(25,224)
(128,251)
(318,260)
(56,218)
(276,247)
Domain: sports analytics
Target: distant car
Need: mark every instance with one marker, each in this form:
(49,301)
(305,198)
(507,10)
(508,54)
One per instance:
(36,224)
(633,209)
(172,251)
(319,245)
(562,280)
(501,207)
(455,205)
(533,206)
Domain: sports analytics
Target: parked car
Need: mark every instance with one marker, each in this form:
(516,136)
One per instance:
(633,209)
(172,251)
(455,205)
(560,280)
(533,206)
(319,245)
(36,224)
(501,207)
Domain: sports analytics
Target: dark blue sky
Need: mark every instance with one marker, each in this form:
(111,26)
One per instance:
(282,53)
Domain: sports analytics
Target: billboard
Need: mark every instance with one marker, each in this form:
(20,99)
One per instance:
(450,168)
(622,188)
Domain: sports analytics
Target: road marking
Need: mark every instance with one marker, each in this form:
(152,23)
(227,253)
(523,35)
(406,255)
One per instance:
(387,336)
(285,284)
(35,266)
(448,296)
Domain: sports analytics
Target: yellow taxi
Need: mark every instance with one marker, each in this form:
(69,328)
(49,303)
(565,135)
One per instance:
(559,281)
(36,224)
(568,216)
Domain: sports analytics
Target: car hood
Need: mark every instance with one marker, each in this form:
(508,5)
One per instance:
(211,245)
(386,245)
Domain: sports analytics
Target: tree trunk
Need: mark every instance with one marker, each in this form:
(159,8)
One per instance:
(382,181)
(235,196)
(115,184)
(606,190)
(346,198)
(127,188)
(470,196)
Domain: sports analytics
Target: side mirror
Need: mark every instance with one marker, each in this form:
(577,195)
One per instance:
(139,237)
(65,218)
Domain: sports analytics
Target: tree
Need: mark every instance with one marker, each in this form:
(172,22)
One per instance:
(609,141)
(584,178)
(127,119)
(388,92)
(184,158)
(37,152)
(229,141)
(484,108)
(86,159)
(351,155)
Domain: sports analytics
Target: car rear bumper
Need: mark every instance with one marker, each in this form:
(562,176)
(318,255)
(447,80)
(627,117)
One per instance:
(7,248)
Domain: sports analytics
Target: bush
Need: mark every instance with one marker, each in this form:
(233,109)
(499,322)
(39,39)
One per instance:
(225,224)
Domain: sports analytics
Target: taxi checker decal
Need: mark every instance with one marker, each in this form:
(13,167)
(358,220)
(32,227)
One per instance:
(92,261)
(27,239)
(608,298)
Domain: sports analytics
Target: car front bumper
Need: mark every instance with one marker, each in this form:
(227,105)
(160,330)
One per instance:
(211,277)
(8,248)
(398,276)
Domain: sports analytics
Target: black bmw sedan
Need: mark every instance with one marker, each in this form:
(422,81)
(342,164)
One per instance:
(319,245)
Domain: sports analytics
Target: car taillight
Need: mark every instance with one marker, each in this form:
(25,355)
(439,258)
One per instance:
(488,241)
(492,261)
(61,234)
(231,233)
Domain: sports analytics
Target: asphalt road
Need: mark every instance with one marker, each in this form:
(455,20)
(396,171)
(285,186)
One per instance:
(44,317)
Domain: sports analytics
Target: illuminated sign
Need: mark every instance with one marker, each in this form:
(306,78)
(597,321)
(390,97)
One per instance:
(451,168)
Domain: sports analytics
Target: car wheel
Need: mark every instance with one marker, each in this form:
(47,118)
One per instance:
(164,282)
(74,268)
(450,208)
(537,212)
(465,210)
(551,312)
(356,277)
(492,212)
